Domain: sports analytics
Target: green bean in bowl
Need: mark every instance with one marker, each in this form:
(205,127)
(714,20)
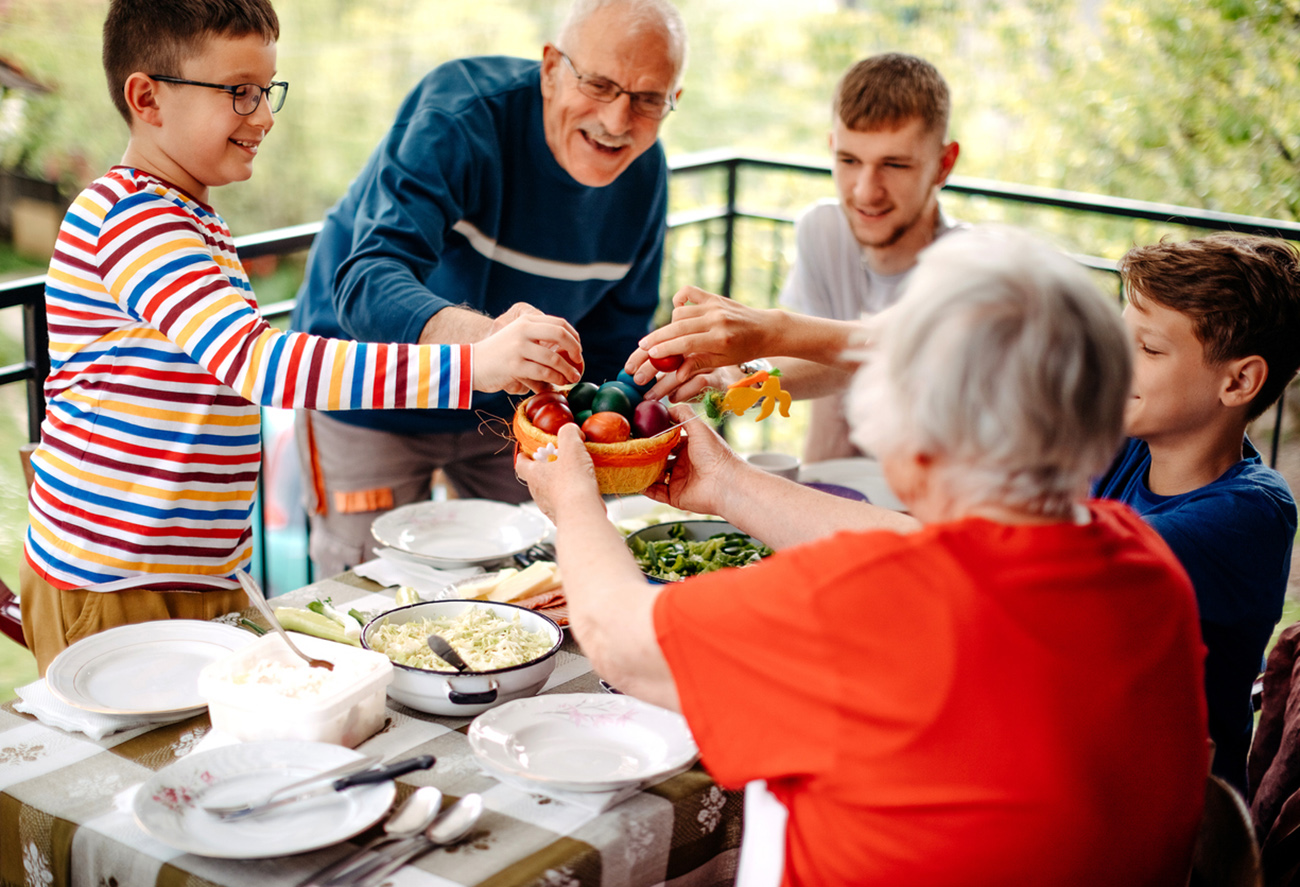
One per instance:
(673,551)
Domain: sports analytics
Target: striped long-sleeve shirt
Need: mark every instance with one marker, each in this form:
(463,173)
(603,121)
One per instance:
(149,453)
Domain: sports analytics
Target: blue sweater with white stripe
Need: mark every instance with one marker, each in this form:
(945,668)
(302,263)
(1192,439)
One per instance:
(463,203)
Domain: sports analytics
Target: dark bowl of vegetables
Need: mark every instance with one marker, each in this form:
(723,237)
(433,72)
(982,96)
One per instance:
(673,551)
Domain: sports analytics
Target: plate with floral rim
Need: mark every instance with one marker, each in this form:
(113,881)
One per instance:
(166,804)
(582,741)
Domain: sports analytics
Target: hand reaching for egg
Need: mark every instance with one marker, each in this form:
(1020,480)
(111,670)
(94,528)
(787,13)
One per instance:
(530,352)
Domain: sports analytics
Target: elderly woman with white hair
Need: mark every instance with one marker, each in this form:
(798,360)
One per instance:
(1002,686)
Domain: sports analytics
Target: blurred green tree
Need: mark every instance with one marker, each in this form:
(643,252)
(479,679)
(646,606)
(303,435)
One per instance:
(1178,103)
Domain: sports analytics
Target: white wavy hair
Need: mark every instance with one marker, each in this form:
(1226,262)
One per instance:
(1003,361)
(640,15)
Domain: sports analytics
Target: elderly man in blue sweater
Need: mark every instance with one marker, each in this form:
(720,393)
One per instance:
(505,186)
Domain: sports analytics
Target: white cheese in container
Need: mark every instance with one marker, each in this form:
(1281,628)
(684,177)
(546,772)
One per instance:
(264,691)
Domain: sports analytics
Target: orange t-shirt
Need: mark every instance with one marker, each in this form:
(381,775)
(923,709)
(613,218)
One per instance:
(971,704)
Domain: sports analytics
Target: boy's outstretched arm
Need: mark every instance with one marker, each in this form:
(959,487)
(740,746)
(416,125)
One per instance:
(159,268)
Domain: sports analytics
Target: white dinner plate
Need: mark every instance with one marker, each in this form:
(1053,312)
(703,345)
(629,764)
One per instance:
(149,668)
(632,513)
(582,741)
(460,532)
(166,805)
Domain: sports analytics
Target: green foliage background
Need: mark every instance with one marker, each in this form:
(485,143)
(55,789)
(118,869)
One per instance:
(1179,103)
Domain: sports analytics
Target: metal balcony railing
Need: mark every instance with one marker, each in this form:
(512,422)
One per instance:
(730,230)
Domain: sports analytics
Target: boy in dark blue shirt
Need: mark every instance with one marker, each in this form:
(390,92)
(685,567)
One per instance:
(1216,324)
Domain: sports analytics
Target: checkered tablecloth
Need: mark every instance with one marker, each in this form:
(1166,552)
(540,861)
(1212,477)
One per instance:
(65,809)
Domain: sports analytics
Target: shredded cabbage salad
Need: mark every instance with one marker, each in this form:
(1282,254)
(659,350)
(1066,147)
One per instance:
(482,638)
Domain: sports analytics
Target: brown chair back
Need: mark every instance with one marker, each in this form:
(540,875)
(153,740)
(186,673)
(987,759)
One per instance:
(1226,853)
(11,617)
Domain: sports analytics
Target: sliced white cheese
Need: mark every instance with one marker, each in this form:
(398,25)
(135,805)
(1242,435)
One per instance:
(537,577)
(482,588)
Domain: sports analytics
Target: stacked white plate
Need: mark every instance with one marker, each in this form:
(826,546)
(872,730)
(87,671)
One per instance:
(582,742)
(147,669)
(460,532)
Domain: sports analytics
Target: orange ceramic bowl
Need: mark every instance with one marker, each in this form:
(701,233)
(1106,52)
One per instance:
(621,468)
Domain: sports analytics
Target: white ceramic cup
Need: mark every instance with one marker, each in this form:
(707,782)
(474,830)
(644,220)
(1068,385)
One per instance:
(779,464)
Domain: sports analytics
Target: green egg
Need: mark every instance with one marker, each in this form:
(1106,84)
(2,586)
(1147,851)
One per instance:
(582,416)
(580,396)
(633,396)
(613,397)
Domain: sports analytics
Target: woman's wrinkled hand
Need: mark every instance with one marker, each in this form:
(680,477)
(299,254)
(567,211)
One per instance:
(571,473)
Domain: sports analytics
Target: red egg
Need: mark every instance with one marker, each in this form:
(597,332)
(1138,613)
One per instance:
(666,364)
(607,427)
(551,417)
(537,401)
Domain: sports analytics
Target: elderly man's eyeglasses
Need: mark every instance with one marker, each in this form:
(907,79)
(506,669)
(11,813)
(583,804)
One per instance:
(644,104)
(245,97)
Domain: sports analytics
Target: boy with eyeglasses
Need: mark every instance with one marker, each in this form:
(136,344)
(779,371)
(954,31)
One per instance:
(149,452)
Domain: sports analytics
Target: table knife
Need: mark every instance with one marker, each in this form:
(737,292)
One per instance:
(365,777)
(347,769)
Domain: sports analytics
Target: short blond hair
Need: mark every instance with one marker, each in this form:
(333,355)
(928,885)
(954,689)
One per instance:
(886,91)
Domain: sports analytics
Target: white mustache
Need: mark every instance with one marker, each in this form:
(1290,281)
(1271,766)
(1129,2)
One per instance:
(598,132)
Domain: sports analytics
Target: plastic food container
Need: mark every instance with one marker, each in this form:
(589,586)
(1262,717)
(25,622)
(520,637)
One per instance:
(457,695)
(264,691)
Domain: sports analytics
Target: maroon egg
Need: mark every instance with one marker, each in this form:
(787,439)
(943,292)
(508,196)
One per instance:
(650,418)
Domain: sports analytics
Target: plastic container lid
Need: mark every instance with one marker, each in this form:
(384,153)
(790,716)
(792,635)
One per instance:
(264,691)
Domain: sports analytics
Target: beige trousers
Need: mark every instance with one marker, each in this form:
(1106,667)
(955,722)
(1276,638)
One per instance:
(55,618)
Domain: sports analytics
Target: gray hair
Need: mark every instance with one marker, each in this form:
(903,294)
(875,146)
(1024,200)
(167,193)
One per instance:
(1005,362)
(641,15)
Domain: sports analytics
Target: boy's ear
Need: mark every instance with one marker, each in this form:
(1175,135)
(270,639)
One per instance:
(142,98)
(1243,379)
(947,161)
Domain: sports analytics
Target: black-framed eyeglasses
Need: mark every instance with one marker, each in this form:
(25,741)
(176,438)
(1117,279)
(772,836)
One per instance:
(244,97)
(644,104)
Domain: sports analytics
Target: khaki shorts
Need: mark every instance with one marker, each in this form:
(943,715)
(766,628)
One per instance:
(55,618)
(351,475)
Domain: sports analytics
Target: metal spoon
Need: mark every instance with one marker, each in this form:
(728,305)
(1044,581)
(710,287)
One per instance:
(259,600)
(451,825)
(416,814)
(438,644)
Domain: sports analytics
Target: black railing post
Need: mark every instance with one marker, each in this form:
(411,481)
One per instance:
(36,348)
(729,247)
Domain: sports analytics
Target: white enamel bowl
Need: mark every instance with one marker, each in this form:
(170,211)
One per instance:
(453,694)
